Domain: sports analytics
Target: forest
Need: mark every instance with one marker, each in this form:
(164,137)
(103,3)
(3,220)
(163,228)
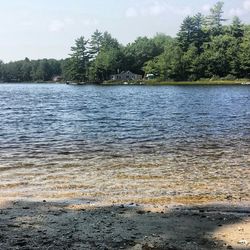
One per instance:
(205,47)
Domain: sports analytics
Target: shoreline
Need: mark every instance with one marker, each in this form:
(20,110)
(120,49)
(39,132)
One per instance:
(148,83)
(207,82)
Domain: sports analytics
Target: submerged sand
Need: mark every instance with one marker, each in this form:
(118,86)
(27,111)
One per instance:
(199,200)
(191,203)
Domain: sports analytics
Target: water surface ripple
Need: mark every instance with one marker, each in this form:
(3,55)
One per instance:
(141,141)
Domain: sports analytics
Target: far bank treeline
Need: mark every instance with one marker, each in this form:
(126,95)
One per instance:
(204,48)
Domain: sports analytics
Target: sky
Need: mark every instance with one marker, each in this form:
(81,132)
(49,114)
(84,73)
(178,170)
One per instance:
(48,28)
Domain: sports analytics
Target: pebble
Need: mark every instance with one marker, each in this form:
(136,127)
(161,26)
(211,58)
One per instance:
(242,242)
(13,225)
(148,246)
(20,242)
(137,247)
(140,212)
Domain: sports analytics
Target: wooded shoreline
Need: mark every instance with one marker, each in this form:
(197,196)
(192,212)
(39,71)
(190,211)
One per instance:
(144,83)
(204,48)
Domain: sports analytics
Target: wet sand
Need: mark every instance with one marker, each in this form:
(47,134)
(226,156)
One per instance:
(203,176)
(27,224)
(144,203)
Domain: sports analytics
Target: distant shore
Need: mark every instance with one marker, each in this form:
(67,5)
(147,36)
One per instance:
(199,82)
(145,82)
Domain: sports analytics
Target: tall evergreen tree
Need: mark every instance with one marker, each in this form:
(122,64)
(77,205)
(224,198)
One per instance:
(215,19)
(236,28)
(199,34)
(185,35)
(95,44)
(108,59)
(79,60)
(192,33)
(26,70)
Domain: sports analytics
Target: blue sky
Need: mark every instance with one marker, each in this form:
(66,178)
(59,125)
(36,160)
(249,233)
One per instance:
(48,28)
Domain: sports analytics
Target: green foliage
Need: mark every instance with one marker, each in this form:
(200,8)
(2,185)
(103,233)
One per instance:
(244,54)
(203,48)
(236,29)
(95,44)
(30,70)
(79,59)
(169,64)
(192,33)
(140,51)
(214,20)
(108,58)
(216,56)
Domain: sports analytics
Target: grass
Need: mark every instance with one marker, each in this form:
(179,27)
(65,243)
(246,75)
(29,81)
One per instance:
(199,82)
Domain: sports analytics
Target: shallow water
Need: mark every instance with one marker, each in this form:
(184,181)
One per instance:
(118,143)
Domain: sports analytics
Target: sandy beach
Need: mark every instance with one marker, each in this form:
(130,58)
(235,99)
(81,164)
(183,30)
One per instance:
(132,205)
(27,224)
(122,204)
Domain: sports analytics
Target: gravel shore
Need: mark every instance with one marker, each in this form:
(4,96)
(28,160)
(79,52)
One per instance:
(26,224)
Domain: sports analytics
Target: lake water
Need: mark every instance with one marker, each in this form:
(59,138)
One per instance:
(118,143)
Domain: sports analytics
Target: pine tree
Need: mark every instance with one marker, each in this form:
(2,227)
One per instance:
(236,28)
(95,44)
(79,59)
(185,35)
(192,33)
(214,20)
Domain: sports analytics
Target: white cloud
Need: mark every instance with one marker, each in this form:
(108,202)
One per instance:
(89,22)
(240,11)
(236,12)
(246,5)
(156,8)
(26,24)
(206,8)
(184,11)
(69,21)
(59,25)
(56,26)
(131,12)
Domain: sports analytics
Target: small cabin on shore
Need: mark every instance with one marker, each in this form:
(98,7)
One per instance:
(57,78)
(125,76)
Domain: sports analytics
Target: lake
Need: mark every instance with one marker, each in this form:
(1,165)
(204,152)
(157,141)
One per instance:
(125,143)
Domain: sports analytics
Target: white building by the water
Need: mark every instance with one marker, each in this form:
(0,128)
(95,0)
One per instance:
(126,76)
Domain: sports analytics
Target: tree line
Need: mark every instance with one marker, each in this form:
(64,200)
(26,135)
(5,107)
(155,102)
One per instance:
(30,70)
(204,48)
